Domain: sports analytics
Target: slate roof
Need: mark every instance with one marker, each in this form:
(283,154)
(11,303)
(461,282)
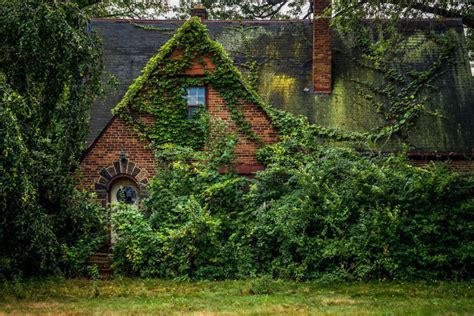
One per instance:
(283,51)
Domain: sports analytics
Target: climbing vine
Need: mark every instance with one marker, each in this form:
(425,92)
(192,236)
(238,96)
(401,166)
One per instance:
(160,91)
(251,66)
(315,211)
(400,97)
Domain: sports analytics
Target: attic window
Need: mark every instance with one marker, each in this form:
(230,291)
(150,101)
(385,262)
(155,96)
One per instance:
(196,99)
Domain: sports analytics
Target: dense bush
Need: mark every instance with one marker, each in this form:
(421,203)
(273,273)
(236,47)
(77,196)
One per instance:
(188,218)
(336,212)
(318,210)
(315,212)
(80,230)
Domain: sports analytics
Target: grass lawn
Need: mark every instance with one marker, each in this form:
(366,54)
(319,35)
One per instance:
(253,297)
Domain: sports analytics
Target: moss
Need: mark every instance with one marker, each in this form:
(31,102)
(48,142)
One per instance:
(337,111)
(284,87)
(358,102)
(284,75)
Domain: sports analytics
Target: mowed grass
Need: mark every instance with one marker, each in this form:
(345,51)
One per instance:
(253,297)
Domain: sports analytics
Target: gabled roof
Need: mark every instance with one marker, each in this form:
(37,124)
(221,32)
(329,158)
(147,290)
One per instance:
(191,39)
(282,54)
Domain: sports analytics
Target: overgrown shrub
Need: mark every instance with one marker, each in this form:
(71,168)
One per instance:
(81,231)
(136,249)
(315,212)
(186,222)
(334,211)
(318,210)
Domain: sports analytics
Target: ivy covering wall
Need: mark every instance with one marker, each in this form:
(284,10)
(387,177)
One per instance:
(160,90)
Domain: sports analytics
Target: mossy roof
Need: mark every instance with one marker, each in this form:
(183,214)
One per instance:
(283,53)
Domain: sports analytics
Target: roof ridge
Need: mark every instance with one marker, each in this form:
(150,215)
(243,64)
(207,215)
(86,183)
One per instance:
(179,21)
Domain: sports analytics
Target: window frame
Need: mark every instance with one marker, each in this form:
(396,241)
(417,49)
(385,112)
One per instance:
(191,108)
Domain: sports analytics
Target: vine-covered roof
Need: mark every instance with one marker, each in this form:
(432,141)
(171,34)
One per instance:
(191,39)
(277,58)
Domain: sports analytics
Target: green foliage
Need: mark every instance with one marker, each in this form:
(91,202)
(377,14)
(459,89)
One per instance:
(136,247)
(400,98)
(82,230)
(335,212)
(400,95)
(314,213)
(93,272)
(159,91)
(190,208)
(49,75)
(177,252)
(74,257)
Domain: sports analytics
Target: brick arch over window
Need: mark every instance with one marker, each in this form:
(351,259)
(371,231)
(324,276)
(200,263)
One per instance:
(120,168)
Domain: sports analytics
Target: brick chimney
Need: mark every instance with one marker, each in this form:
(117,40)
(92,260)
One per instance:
(322,53)
(199,10)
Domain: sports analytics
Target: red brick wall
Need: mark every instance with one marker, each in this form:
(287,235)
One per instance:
(322,45)
(199,65)
(246,148)
(101,163)
(463,166)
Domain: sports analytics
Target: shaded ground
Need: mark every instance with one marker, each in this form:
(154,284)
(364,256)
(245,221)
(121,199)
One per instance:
(253,297)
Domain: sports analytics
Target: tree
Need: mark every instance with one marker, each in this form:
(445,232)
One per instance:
(409,9)
(124,8)
(50,73)
(248,9)
(270,9)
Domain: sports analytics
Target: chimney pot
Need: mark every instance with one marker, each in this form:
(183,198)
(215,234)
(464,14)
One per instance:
(199,10)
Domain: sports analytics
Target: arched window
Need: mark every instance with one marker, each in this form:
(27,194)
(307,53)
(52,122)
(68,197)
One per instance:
(124,176)
(124,190)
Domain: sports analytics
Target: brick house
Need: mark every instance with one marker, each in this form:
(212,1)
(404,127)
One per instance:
(120,159)
(302,66)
